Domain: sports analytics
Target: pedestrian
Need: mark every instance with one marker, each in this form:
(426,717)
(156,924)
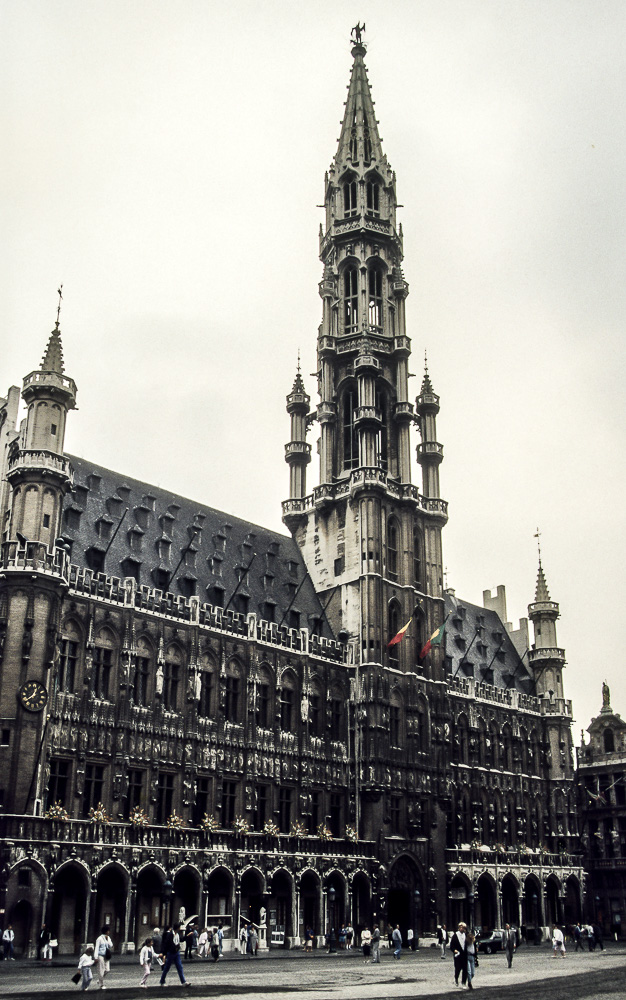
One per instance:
(330,940)
(458,947)
(103,949)
(189,937)
(397,941)
(349,936)
(376,945)
(558,942)
(597,936)
(220,938)
(591,942)
(366,943)
(203,940)
(44,944)
(410,939)
(509,943)
(578,937)
(156,940)
(8,938)
(84,964)
(472,959)
(171,950)
(253,941)
(308,939)
(442,939)
(342,937)
(215,945)
(243,938)
(146,958)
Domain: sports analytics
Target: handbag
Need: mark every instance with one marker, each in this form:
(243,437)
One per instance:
(107,954)
(76,978)
(53,943)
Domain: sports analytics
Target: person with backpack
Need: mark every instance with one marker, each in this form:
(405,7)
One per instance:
(103,949)
(171,950)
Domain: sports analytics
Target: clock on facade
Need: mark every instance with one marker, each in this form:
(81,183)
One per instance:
(33,696)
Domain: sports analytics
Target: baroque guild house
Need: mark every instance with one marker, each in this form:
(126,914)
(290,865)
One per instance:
(200,713)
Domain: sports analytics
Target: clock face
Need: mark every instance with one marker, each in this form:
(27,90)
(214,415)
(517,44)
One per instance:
(33,696)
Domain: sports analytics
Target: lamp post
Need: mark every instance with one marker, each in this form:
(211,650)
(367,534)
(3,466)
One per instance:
(470,899)
(332,895)
(535,916)
(166,899)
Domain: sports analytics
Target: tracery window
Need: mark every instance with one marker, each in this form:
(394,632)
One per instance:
(232,694)
(375,298)
(350,205)
(68,659)
(393,627)
(103,664)
(350,436)
(373,198)
(172,676)
(392,549)
(350,299)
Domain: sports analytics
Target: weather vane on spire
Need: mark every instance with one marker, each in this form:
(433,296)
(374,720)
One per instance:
(298,361)
(60,294)
(537,535)
(356,33)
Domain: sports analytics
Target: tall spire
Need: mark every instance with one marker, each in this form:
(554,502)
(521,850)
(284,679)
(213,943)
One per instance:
(359,141)
(541,590)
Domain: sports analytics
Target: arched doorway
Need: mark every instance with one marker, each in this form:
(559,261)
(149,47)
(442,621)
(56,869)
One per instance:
(310,904)
(69,906)
(335,903)
(572,909)
(404,880)
(281,909)
(361,902)
(151,905)
(21,919)
(554,910)
(460,910)
(510,901)
(485,906)
(531,909)
(110,906)
(186,895)
(251,894)
(220,900)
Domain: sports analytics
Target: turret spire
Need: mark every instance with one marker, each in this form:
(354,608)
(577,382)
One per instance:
(359,140)
(52,360)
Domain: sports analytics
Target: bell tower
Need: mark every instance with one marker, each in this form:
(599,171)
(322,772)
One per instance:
(371,540)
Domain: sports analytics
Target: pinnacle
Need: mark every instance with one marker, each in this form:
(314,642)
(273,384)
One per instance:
(427,385)
(541,591)
(52,360)
(359,140)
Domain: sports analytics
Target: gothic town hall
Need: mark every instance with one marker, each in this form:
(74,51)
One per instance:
(197,712)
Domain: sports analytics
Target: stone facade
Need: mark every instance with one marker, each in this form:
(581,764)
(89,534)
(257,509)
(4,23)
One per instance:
(201,714)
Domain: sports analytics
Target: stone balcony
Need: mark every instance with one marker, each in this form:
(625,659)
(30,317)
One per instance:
(35,557)
(40,460)
(537,656)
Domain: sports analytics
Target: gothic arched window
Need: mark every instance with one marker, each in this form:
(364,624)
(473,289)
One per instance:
(375,297)
(350,437)
(417,557)
(349,199)
(381,443)
(350,299)
(396,720)
(373,198)
(609,741)
(393,627)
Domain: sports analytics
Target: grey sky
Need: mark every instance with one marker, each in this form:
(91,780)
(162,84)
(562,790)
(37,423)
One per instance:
(164,161)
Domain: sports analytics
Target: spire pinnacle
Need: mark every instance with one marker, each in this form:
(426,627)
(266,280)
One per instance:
(542,593)
(298,384)
(427,385)
(359,141)
(52,360)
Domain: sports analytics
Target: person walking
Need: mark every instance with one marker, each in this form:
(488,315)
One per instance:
(243,938)
(558,942)
(376,945)
(157,938)
(458,947)
(578,937)
(591,941)
(84,965)
(171,950)
(146,958)
(253,941)
(203,941)
(410,939)
(44,944)
(8,938)
(509,943)
(189,937)
(366,943)
(103,949)
(597,936)
(215,945)
(397,941)
(471,959)
(220,938)
(349,936)
(442,939)
(308,939)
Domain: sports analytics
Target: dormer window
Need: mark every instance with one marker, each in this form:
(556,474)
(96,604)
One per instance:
(350,299)
(373,198)
(349,199)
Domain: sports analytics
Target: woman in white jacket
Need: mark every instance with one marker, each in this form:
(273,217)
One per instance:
(146,958)
(103,949)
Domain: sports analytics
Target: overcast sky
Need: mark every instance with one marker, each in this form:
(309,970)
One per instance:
(164,160)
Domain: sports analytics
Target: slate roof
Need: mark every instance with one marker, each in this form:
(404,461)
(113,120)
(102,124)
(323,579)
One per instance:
(157,529)
(478,646)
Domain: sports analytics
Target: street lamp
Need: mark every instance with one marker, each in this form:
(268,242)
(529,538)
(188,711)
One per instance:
(332,894)
(166,897)
(470,899)
(418,899)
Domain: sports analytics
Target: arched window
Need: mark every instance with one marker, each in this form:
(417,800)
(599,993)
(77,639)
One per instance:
(288,703)
(172,677)
(392,549)
(609,741)
(350,299)
(417,557)
(68,658)
(350,436)
(373,198)
(264,699)
(375,298)
(349,199)
(142,673)
(381,442)
(396,720)
(206,707)
(103,663)
(393,627)
(232,692)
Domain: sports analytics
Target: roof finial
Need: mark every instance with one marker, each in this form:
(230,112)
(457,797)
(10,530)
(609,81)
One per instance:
(298,361)
(356,33)
(60,294)
(537,535)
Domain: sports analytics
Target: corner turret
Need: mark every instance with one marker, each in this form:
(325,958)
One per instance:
(429,452)
(297,451)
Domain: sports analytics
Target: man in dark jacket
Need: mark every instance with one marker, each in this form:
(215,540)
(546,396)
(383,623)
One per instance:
(171,950)
(458,947)
(509,943)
